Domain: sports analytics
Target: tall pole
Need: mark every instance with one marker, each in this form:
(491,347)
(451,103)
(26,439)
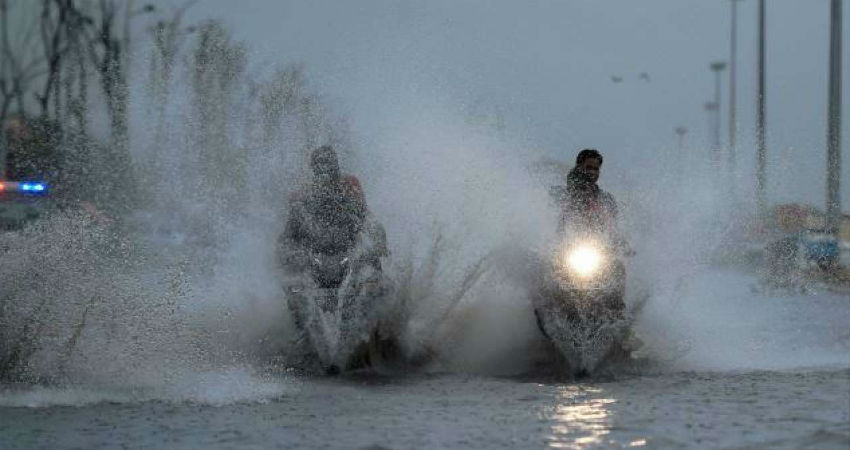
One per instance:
(3,152)
(680,155)
(761,175)
(717,67)
(711,108)
(833,134)
(681,131)
(733,64)
(717,117)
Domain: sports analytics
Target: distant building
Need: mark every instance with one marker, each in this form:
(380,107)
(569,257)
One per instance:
(789,217)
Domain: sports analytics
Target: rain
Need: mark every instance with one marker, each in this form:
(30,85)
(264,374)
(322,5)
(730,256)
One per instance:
(440,224)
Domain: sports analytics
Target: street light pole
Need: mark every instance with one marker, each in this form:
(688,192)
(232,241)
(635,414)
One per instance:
(761,174)
(681,131)
(711,108)
(680,156)
(717,67)
(733,64)
(833,134)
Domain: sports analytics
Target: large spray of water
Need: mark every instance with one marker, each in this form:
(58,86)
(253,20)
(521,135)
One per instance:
(185,291)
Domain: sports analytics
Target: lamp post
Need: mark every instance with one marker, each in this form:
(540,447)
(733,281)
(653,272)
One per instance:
(733,65)
(761,172)
(680,155)
(711,108)
(717,67)
(681,132)
(833,134)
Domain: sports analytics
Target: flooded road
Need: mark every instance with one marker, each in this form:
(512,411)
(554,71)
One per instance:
(738,370)
(797,409)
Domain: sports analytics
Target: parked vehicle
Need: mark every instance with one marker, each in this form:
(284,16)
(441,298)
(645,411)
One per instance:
(22,202)
(819,247)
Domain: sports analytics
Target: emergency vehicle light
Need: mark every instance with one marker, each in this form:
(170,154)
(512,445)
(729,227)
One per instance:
(32,187)
(28,187)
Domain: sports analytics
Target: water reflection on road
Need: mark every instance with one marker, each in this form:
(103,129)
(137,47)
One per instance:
(582,418)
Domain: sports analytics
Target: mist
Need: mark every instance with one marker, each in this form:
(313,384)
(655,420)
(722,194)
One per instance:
(547,68)
(451,116)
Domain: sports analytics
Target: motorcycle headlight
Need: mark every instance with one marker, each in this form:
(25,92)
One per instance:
(583,260)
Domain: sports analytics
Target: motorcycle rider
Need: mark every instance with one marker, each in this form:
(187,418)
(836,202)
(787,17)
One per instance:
(584,206)
(582,202)
(329,222)
(573,307)
(328,217)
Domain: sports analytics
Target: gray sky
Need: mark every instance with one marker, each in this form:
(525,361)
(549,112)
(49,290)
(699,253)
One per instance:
(548,66)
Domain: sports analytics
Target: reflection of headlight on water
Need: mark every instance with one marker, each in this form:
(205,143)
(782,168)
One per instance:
(584,260)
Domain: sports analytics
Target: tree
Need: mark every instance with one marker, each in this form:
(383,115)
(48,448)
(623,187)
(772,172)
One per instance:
(279,96)
(217,64)
(47,48)
(20,62)
(169,36)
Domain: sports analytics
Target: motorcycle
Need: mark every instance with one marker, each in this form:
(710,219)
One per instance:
(580,304)
(336,302)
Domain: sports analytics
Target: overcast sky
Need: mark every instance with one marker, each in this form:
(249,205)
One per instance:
(548,66)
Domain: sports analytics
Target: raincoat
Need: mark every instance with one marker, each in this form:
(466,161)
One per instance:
(585,205)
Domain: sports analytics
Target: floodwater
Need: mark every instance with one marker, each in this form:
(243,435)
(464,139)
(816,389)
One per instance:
(796,409)
(748,371)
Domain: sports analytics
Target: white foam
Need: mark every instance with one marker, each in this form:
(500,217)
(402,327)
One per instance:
(215,388)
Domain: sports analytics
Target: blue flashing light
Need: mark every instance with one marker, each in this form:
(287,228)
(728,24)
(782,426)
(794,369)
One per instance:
(33,187)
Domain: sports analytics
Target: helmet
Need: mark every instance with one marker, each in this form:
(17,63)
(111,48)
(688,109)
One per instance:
(324,162)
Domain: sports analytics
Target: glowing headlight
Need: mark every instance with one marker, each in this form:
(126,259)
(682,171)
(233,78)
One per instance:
(584,260)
